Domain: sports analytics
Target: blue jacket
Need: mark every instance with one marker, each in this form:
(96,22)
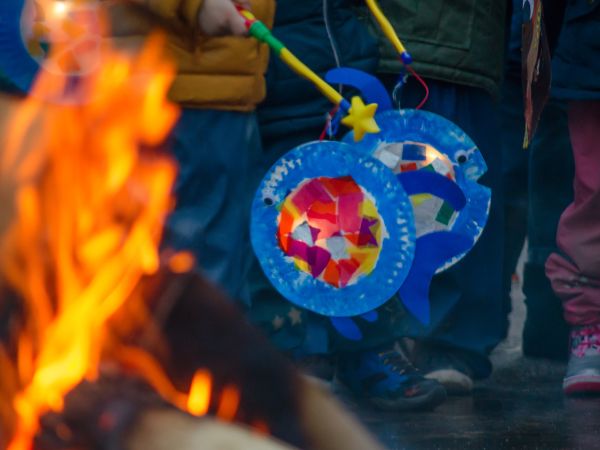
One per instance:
(576,65)
(323,34)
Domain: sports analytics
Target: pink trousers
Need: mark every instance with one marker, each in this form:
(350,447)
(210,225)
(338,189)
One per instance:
(575,274)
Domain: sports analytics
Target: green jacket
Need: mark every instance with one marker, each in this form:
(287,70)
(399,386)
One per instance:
(459,41)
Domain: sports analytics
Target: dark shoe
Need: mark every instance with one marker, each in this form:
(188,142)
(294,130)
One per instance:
(583,372)
(388,380)
(321,367)
(447,367)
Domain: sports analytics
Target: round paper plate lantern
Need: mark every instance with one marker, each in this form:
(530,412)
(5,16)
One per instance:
(333,229)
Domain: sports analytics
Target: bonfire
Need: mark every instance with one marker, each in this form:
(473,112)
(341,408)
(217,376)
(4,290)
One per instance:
(108,332)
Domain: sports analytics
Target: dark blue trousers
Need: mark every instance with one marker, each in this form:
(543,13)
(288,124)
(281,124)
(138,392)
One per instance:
(537,189)
(217,152)
(468,312)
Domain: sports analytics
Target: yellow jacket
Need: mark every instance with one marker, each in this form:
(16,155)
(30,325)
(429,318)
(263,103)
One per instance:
(214,73)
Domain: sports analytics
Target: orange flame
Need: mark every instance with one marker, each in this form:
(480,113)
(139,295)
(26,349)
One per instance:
(91,201)
(90,211)
(199,398)
(229,403)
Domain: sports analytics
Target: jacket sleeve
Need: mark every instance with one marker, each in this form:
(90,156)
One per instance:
(554,13)
(181,11)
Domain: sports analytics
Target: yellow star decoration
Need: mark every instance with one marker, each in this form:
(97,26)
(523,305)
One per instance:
(361,118)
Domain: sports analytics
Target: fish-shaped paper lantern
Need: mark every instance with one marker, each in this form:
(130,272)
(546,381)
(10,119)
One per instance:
(439,167)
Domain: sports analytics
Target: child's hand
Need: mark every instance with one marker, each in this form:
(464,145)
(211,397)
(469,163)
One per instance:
(220,18)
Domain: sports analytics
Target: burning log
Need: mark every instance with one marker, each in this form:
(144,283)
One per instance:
(202,329)
(187,434)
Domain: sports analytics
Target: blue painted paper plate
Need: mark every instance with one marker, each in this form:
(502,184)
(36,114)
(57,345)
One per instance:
(412,140)
(333,229)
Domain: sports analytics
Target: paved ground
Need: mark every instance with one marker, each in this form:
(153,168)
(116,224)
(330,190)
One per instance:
(520,407)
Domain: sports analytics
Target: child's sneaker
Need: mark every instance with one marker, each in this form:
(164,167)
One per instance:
(388,380)
(445,366)
(583,372)
(319,367)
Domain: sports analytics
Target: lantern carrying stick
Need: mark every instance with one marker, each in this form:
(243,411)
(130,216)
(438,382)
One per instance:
(359,117)
(389,31)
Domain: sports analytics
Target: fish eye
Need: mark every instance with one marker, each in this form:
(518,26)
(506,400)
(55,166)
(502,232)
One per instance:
(269,201)
(461,157)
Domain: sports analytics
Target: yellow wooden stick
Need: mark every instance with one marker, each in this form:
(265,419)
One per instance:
(388,30)
(301,69)
(359,117)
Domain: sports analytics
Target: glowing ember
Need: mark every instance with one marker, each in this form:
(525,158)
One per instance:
(229,403)
(182,262)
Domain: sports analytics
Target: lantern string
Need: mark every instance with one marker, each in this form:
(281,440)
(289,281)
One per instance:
(423,83)
(328,129)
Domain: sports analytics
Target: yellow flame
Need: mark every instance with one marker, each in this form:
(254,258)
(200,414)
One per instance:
(90,209)
(91,201)
(200,392)
(60,8)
